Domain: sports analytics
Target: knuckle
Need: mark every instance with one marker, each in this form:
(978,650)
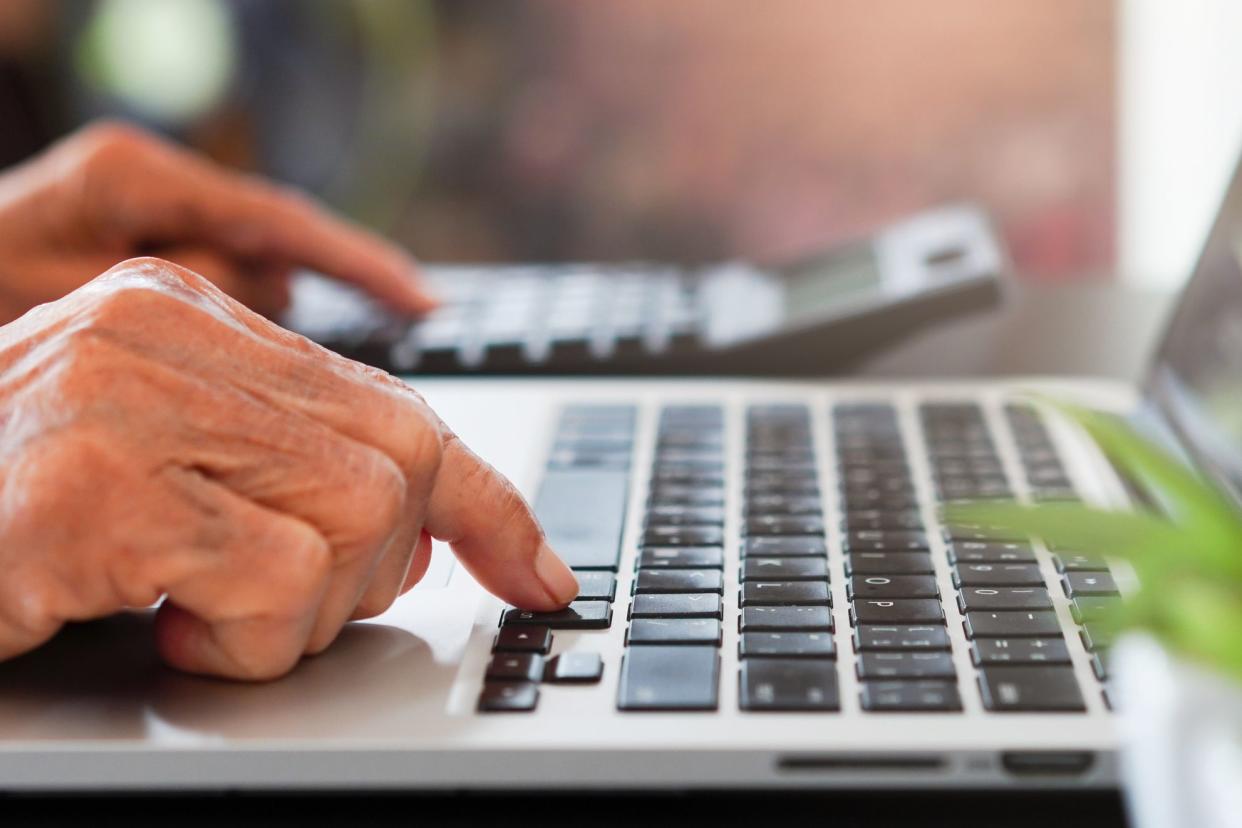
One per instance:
(160,276)
(420,446)
(33,603)
(305,562)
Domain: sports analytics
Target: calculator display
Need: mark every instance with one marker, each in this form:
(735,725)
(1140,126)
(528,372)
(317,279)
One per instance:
(825,285)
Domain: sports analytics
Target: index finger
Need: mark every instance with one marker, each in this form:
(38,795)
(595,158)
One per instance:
(158,193)
(493,533)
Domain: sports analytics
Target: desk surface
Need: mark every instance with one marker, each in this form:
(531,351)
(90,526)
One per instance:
(1092,329)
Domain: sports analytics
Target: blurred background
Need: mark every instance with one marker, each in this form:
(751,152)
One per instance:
(701,129)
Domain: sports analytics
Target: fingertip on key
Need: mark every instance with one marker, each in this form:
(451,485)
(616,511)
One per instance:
(557,578)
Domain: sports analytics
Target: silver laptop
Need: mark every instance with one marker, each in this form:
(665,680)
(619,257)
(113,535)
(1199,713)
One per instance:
(769,600)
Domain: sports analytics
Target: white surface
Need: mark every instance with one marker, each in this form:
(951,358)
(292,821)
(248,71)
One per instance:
(1180,73)
(1182,731)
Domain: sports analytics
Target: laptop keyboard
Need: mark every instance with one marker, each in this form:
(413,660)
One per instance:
(790,653)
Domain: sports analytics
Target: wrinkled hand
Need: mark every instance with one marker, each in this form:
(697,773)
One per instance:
(159,439)
(111,192)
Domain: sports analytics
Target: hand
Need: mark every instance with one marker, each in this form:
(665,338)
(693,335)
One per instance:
(159,439)
(110,192)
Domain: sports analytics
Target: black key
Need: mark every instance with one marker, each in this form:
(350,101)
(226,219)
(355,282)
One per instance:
(788,684)
(1003,598)
(508,697)
(1086,609)
(1020,689)
(985,651)
(784,569)
(575,668)
(990,574)
(1095,637)
(598,585)
(681,557)
(674,631)
(868,637)
(683,536)
(971,552)
(785,593)
(786,476)
(910,696)
(905,665)
(785,619)
(669,678)
(1011,624)
(1085,584)
(686,477)
(579,615)
(780,462)
(582,512)
(897,611)
(771,485)
(881,540)
(958,534)
(677,495)
(785,525)
(892,586)
(1069,562)
(657,581)
(888,563)
(783,505)
(1100,665)
(523,639)
(882,519)
(515,667)
(877,499)
(669,605)
(677,515)
(790,546)
(786,645)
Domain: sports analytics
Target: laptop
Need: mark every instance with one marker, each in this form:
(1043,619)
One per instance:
(768,601)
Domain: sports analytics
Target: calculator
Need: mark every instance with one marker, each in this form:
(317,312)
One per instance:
(813,315)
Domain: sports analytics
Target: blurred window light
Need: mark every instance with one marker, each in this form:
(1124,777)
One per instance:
(1181,130)
(169,61)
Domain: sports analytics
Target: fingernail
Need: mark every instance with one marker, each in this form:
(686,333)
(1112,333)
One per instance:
(556,578)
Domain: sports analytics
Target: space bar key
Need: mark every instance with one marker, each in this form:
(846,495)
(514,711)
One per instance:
(583,512)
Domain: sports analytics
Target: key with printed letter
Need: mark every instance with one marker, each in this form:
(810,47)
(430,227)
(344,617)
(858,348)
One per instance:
(1003,598)
(1009,624)
(910,696)
(985,651)
(579,615)
(788,684)
(897,611)
(905,665)
(786,645)
(1030,689)
(785,619)
(785,593)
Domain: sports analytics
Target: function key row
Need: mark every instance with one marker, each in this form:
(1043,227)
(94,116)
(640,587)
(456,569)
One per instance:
(1015,639)
(903,657)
